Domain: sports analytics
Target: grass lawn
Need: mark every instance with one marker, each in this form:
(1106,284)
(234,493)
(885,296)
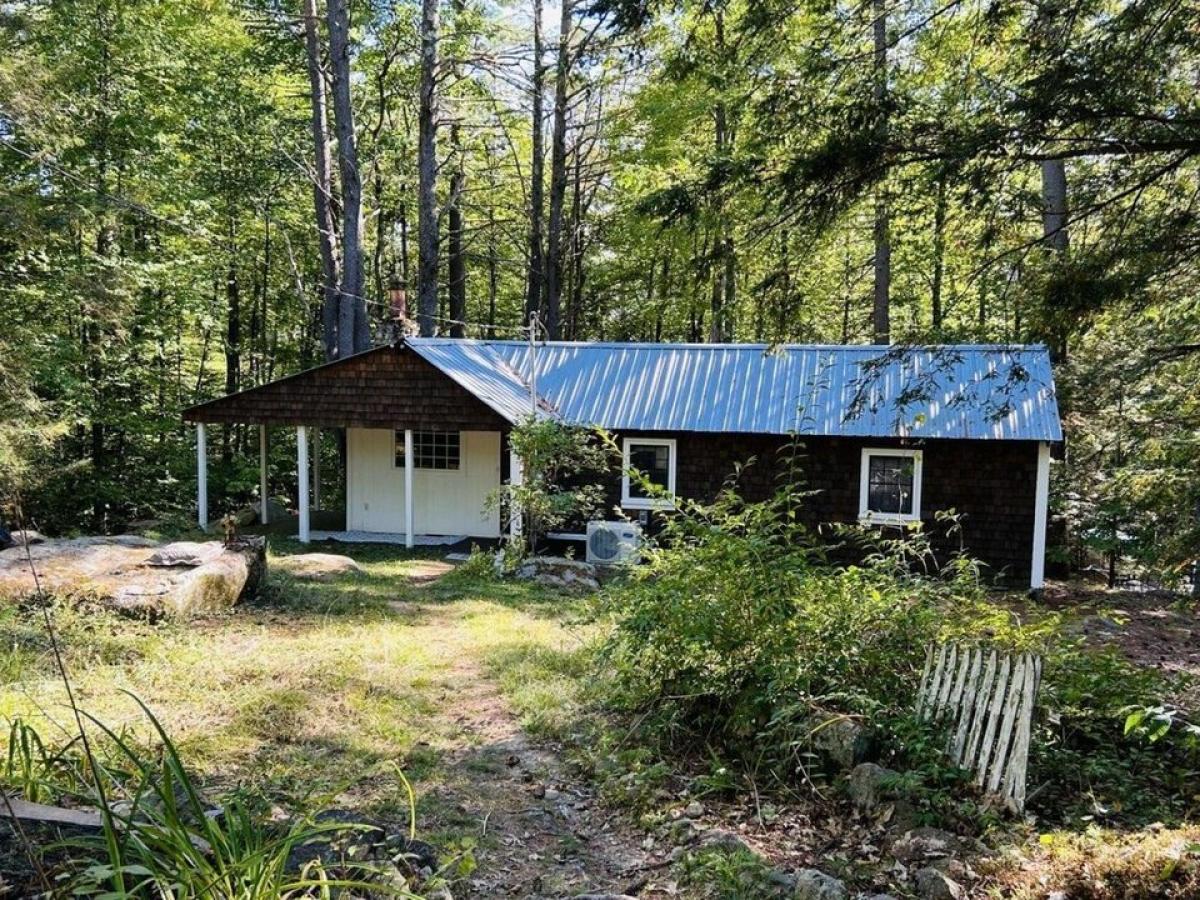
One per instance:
(316,693)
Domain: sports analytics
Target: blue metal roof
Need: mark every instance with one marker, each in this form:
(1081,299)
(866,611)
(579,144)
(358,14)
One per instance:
(972,391)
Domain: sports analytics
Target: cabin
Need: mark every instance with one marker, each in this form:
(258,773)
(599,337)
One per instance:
(890,435)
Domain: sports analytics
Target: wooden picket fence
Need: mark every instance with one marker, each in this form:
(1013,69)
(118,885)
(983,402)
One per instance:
(987,699)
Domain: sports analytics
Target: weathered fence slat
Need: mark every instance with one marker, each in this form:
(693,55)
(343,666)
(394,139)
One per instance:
(987,700)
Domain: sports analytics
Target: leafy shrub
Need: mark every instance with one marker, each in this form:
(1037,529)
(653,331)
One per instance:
(560,465)
(737,619)
(738,629)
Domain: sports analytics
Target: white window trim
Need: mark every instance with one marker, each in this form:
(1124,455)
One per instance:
(648,502)
(867,516)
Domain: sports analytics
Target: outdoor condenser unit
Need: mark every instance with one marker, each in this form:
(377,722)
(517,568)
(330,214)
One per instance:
(612,542)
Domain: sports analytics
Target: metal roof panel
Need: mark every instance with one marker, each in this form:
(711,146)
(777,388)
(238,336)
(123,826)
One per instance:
(971,391)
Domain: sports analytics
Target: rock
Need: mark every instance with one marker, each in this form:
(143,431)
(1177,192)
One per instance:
(247,515)
(185,553)
(720,839)
(921,844)
(117,572)
(551,794)
(23,536)
(935,885)
(813,884)
(276,511)
(841,740)
(870,785)
(694,810)
(318,566)
(559,572)
(366,842)
(682,831)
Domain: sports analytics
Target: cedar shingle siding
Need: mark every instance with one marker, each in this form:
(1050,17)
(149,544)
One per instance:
(989,483)
(384,388)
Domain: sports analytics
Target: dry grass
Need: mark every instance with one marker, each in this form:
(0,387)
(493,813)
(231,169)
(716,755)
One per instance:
(320,689)
(1100,864)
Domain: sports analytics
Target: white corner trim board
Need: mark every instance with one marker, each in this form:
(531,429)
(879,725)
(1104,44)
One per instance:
(868,516)
(1041,511)
(631,502)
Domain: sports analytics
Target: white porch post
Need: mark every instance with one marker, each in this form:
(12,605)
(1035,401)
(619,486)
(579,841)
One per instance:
(302,480)
(316,469)
(262,474)
(1040,513)
(409,536)
(516,477)
(202,476)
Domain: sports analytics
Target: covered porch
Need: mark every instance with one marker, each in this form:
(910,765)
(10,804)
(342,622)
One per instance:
(422,458)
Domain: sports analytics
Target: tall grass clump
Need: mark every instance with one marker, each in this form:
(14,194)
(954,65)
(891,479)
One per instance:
(159,837)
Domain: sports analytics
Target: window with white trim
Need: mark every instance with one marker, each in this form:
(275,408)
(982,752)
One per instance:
(889,490)
(654,458)
(431,450)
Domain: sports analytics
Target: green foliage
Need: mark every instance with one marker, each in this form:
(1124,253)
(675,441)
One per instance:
(563,470)
(736,623)
(1111,750)
(737,633)
(718,874)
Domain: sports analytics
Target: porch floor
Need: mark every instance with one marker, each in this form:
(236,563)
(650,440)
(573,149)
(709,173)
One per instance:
(381,537)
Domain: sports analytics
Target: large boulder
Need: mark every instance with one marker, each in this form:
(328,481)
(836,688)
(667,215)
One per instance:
(317,566)
(134,574)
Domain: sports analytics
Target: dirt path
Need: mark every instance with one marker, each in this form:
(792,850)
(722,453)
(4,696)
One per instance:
(541,832)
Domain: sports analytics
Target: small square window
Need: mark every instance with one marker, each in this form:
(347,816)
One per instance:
(654,458)
(890,486)
(431,450)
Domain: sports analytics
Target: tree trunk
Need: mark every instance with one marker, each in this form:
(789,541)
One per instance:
(354,329)
(537,274)
(457,263)
(558,176)
(233,340)
(939,252)
(1054,231)
(322,183)
(427,213)
(881,309)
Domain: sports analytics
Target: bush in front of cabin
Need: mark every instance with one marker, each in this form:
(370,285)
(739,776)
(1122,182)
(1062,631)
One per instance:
(563,469)
(739,634)
(737,617)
